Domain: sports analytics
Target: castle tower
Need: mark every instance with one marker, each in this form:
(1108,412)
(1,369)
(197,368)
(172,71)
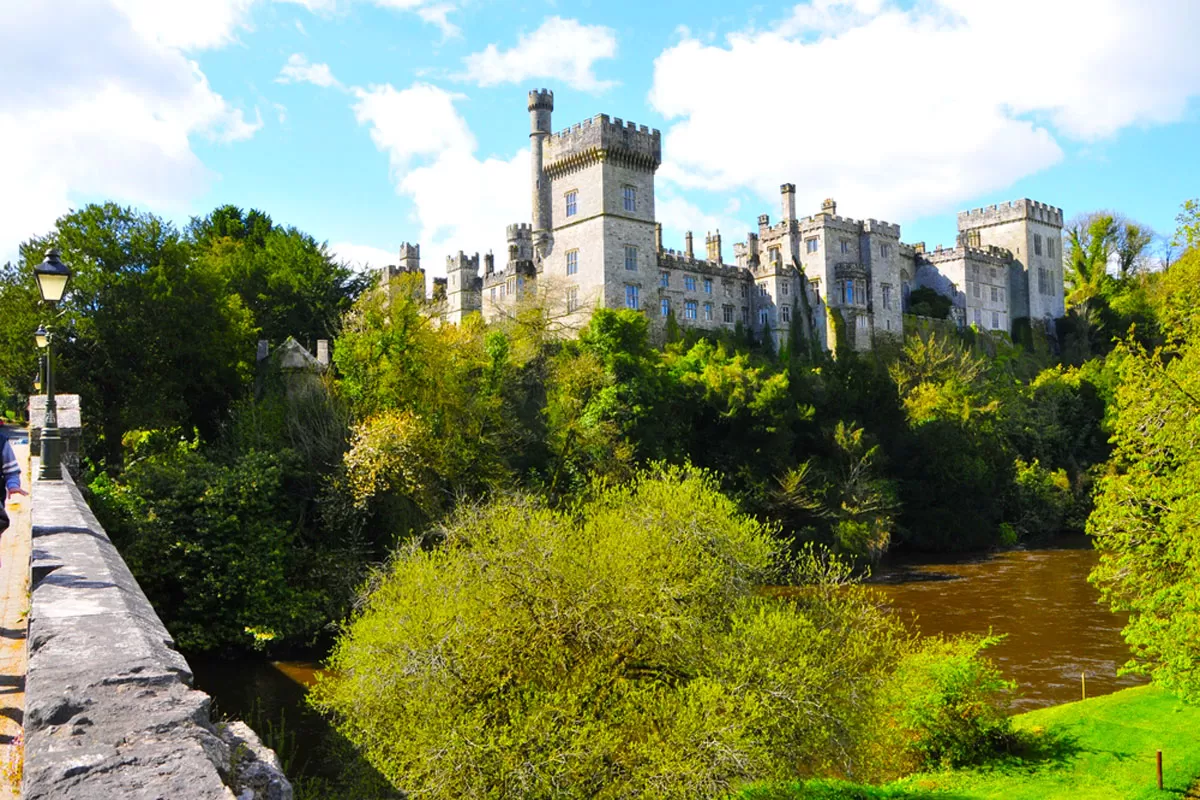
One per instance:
(603,244)
(687,245)
(1032,232)
(541,104)
(410,264)
(463,287)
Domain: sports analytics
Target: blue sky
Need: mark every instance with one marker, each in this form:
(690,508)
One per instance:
(372,122)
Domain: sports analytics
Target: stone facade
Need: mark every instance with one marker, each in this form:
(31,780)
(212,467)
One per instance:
(594,243)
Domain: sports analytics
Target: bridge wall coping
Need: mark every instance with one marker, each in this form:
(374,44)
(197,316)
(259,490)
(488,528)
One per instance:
(109,706)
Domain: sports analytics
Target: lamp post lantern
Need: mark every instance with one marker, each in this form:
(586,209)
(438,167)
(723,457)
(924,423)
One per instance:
(52,278)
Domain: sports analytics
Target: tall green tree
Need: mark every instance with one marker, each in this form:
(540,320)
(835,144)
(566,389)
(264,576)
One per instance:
(289,282)
(1146,521)
(149,337)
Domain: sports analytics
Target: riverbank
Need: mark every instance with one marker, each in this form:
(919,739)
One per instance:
(1097,749)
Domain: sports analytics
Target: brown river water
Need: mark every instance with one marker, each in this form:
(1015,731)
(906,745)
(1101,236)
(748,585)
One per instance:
(1039,599)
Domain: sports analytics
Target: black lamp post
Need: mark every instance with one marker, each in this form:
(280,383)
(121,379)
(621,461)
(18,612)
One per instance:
(52,278)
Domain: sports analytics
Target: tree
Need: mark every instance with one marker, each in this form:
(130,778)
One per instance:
(926,302)
(617,648)
(1146,521)
(291,284)
(1187,235)
(148,338)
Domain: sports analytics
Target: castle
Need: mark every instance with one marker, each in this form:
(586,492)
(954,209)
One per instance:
(593,242)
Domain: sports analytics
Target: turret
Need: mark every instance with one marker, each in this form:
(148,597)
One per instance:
(829,207)
(541,104)
(712,243)
(788,193)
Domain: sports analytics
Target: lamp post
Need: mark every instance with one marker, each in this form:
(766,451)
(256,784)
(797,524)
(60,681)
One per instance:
(52,278)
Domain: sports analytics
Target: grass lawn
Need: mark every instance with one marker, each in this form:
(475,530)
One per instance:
(1099,748)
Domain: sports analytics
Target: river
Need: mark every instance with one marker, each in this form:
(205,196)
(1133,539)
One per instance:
(1040,599)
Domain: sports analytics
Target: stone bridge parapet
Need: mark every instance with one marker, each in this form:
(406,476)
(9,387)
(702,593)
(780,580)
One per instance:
(110,712)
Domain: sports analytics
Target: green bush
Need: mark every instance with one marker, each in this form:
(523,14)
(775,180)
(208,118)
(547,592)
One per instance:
(213,545)
(619,649)
(948,705)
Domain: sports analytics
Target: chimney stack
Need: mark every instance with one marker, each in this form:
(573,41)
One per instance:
(829,207)
(788,192)
(687,245)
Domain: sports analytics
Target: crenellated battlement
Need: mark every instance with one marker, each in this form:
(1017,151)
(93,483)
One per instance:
(881,227)
(541,99)
(599,138)
(995,256)
(1010,212)
(673,259)
(462,262)
(519,231)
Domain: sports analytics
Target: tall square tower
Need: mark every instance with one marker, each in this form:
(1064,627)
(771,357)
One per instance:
(603,242)
(1032,232)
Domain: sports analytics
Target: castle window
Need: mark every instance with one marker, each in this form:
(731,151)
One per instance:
(729,290)
(762,290)
(708,311)
(689,283)
(784,288)
(995,295)
(493,294)
(630,198)
(631,258)
(775,255)
(512,286)
(1042,282)
(708,285)
(572,203)
(762,317)
(975,271)
(664,306)
(1037,244)
(503,293)
(787,313)
(664,279)
(727,314)
(888,323)
(975,290)
(810,245)
(885,250)
(995,320)
(977,317)
(689,309)
(572,262)
(845,245)
(745,291)
(1050,245)
(1002,294)
(572,298)
(745,315)
(631,297)
(887,296)
(862,322)
(849,292)
(992,270)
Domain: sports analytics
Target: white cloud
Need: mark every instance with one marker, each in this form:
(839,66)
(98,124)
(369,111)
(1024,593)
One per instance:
(678,216)
(562,49)
(299,70)
(434,12)
(186,24)
(111,114)
(461,202)
(362,257)
(901,112)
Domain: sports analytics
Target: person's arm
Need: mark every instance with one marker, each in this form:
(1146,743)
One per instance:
(12,472)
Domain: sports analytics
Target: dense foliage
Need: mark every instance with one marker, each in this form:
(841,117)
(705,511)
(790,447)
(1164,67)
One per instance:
(1147,517)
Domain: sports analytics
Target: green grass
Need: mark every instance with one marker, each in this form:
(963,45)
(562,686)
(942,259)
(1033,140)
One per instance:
(1099,748)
